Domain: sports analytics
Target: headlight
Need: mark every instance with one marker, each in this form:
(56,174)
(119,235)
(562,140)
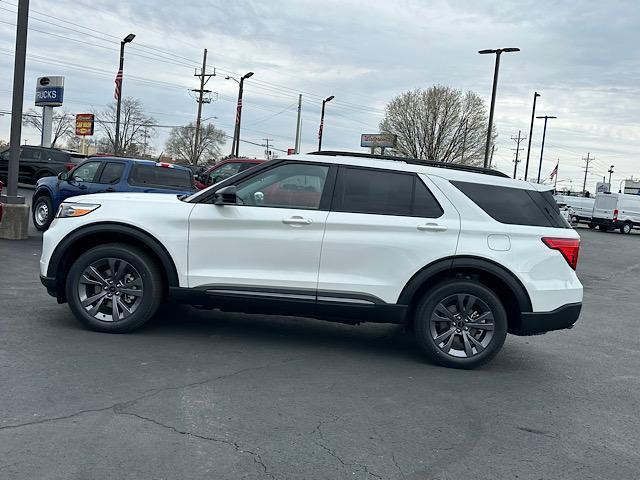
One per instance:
(68,210)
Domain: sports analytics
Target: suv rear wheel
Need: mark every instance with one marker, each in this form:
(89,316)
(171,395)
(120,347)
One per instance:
(460,324)
(42,212)
(114,288)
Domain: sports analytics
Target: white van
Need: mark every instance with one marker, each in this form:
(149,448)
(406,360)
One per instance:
(581,207)
(616,210)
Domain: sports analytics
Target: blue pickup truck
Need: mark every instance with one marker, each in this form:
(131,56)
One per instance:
(107,174)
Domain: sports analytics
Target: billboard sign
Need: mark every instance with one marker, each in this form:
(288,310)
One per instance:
(49,91)
(84,124)
(386,140)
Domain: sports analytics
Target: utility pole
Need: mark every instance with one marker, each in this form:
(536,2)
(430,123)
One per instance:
(610,171)
(298,125)
(267,151)
(204,78)
(517,149)
(493,147)
(544,134)
(533,117)
(588,160)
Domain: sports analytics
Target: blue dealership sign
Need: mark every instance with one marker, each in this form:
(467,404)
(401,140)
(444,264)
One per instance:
(49,91)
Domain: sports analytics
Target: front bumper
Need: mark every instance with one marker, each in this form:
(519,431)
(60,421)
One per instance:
(533,323)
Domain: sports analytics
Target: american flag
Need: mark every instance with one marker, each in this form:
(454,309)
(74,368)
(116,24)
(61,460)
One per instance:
(118,81)
(554,172)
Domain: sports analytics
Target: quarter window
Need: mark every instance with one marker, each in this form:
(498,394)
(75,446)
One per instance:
(293,185)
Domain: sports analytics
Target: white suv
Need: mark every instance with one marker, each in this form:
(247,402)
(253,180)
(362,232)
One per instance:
(461,255)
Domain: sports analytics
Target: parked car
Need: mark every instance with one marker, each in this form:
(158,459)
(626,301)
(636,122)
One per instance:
(39,162)
(225,169)
(582,207)
(616,210)
(461,255)
(107,174)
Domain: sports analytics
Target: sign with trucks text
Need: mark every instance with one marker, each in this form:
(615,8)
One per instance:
(49,91)
(84,124)
(384,140)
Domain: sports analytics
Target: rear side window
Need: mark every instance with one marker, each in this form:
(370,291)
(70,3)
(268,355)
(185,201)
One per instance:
(515,206)
(112,173)
(153,176)
(383,192)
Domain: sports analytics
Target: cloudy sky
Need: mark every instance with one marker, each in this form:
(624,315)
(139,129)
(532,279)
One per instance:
(581,55)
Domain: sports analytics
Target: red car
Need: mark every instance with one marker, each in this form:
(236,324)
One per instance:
(225,169)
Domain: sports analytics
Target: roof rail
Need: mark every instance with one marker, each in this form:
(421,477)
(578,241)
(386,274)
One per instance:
(413,161)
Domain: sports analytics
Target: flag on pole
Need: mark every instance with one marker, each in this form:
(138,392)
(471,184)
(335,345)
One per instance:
(554,172)
(116,94)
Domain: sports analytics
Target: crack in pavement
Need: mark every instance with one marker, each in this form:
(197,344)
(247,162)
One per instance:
(257,458)
(148,394)
(318,430)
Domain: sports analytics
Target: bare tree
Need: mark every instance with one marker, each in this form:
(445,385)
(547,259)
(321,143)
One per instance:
(181,144)
(439,124)
(63,125)
(136,127)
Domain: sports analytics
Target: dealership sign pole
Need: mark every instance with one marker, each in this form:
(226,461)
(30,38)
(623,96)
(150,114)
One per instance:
(85,123)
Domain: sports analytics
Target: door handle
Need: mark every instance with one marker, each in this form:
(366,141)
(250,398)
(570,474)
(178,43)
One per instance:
(82,187)
(297,221)
(109,190)
(432,227)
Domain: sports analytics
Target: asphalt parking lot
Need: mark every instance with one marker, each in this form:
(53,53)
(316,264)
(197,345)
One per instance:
(228,396)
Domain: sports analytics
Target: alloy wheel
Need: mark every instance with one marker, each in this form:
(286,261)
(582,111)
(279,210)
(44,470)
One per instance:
(110,289)
(462,325)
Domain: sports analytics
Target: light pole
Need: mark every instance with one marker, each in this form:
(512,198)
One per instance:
(324,102)
(128,39)
(544,134)
(235,145)
(610,173)
(498,53)
(533,117)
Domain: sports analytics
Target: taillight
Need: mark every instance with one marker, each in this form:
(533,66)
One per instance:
(568,247)
(69,166)
(615,215)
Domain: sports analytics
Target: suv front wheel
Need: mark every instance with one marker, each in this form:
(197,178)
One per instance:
(42,212)
(114,288)
(460,324)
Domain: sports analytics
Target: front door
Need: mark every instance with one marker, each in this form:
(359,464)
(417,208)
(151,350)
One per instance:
(270,241)
(81,181)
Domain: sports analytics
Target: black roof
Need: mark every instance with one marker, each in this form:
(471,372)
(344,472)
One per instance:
(414,161)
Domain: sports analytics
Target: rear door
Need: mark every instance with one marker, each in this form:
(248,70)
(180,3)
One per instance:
(109,179)
(159,178)
(604,206)
(383,227)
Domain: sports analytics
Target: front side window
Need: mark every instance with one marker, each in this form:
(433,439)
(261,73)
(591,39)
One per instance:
(85,172)
(112,173)
(293,185)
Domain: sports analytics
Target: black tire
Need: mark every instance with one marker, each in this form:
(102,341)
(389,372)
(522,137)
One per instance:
(140,266)
(626,228)
(592,226)
(425,328)
(42,212)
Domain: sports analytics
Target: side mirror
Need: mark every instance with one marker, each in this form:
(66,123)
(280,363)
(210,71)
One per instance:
(226,196)
(63,176)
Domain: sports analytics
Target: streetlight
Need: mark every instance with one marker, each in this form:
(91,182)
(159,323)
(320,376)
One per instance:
(533,116)
(498,53)
(235,145)
(610,171)
(544,134)
(128,39)
(324,102)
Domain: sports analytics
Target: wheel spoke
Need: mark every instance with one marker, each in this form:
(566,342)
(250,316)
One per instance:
(115,314)
(131,291)
(94,271)
(137,282)
(444,336)
(467,346)
(485,316)
(125,310)
(97,306)
(447,346)
(481,326)
(476,343)
(470,303)
(442,309)
(89,301)
(117,268)
(89,281)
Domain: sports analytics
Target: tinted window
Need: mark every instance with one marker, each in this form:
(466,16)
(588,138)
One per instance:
(290,185)
(374,191)
(30,154)
(515,206)
(85,172)
(153,176)
(58,156)
(111,173)
(424,203)
(223,172)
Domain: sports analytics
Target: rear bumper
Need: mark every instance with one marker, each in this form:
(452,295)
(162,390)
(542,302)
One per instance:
(533,323)
(607,222)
